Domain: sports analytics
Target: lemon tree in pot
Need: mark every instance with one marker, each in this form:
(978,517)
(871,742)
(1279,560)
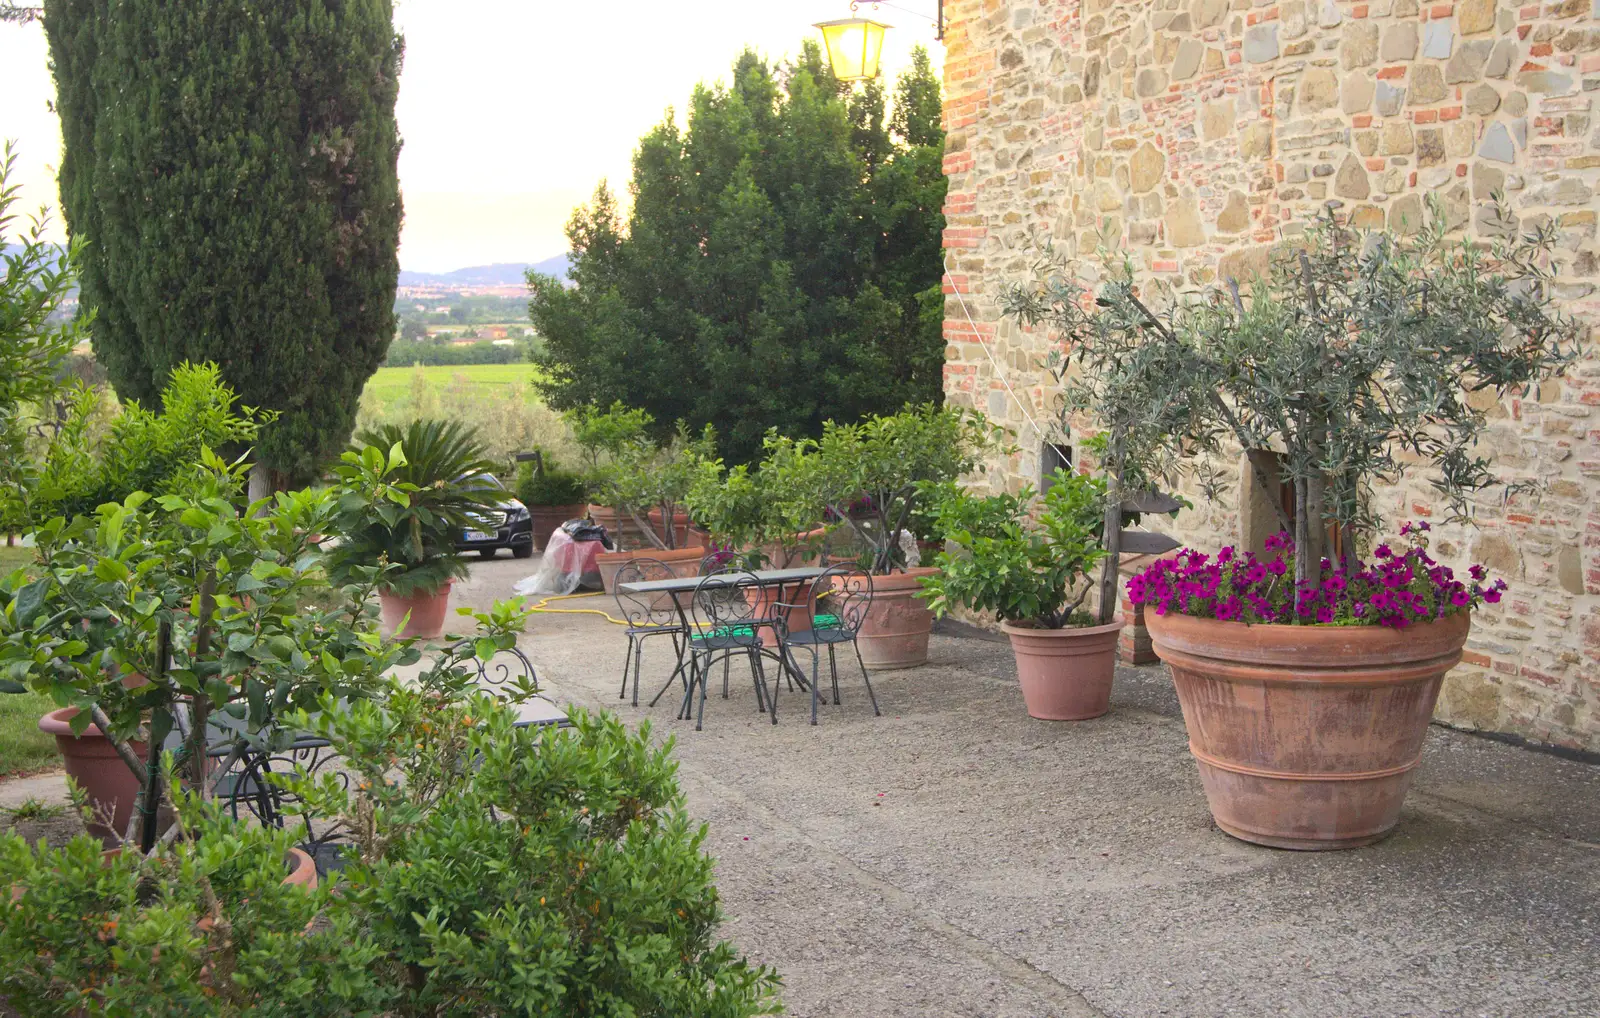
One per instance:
(868,477)
(432,473)
(1029,566)
(1361,359)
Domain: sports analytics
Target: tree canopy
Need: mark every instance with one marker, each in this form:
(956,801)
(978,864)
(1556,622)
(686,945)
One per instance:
(780,266)
(233,168)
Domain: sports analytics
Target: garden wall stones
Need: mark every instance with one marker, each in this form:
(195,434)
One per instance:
(1192,135)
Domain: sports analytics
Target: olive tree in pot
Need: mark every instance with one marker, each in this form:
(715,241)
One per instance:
(432,473)
(607,436)
(1308,677)
(881,464)
(1028,565)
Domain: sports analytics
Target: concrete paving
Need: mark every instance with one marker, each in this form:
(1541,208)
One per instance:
(955,857)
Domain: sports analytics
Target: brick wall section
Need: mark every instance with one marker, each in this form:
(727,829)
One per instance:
(1192,134)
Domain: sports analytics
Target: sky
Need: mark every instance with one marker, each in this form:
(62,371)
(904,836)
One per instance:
(512,110)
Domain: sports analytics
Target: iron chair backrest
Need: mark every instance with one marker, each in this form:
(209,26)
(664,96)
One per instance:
(641,611)
(727,601)
(838,599)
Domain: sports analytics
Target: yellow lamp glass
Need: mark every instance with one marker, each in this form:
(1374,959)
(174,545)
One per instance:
(854,46)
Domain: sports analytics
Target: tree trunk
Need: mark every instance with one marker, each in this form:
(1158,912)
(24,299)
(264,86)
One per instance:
(260,482)
(1111,535)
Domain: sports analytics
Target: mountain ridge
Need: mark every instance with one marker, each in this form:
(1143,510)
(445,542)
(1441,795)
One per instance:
(496,274)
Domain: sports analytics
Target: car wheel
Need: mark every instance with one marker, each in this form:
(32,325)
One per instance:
(523,550)
(486,552)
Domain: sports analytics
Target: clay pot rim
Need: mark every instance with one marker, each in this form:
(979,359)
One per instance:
(659,554)
(907,579)
(443,591)
(54,724)
(1065,632)
(1310,653)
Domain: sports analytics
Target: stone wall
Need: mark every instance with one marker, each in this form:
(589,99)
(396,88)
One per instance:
(1193,134)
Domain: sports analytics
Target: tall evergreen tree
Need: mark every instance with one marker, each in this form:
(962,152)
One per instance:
(780,265)
(232,165)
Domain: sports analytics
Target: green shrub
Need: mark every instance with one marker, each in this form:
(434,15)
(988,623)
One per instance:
(1020,568)
(551,485)
(206,928)
(158,452)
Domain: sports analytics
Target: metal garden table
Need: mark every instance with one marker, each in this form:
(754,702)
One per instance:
(679,587)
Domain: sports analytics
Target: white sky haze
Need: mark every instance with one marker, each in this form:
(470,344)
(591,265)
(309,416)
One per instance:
(512,110)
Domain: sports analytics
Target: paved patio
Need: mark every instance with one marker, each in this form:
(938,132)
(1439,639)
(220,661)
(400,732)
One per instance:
(955,857)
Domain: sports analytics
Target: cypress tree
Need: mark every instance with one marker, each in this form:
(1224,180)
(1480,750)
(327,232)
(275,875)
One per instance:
(232,165)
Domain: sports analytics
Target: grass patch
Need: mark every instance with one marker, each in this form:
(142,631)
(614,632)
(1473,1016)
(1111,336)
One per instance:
(22,746)
(392,386)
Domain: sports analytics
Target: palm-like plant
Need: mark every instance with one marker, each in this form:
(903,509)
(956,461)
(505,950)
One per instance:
(444,477)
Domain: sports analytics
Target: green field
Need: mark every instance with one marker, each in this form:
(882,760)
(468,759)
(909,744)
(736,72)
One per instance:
(391,385)
(22,746)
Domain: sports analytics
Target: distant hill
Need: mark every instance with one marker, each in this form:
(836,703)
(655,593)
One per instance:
(499,274)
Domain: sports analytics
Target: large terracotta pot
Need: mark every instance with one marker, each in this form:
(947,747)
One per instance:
(1066,673)
(428,612)
(1306,737)
(894,633)
(624,533)
(92,761)
(763,599)
(546,518)
(680,527)
(681,562)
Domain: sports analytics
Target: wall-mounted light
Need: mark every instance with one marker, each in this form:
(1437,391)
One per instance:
(855,44)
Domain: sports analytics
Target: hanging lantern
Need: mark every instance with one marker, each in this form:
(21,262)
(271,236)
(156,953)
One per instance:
(854,46)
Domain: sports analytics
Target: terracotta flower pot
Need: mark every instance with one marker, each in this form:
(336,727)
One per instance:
(762,600)
(1306,737)
(624,533)
(681,562)
(1066,673)
(428,612)
(92,761)
(680,527)
(546,518)
(894,633)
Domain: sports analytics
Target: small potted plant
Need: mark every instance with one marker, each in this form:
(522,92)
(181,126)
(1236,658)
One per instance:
(1029,567)
(882,463)
(553,496)
(434,471)
(1308,676)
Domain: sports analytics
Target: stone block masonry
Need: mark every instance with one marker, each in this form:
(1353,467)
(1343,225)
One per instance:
(1191,135)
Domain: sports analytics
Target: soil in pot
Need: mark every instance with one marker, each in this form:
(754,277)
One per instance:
(1307,737)
(894,633)
(428,613)
(1066,674)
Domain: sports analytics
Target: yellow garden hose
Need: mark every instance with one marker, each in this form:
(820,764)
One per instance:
(540,607)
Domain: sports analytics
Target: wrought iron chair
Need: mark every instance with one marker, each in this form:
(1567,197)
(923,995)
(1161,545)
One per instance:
(835,606)
(727,622)
(646,615)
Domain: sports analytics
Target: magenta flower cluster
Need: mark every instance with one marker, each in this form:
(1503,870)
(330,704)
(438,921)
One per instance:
(1398,588)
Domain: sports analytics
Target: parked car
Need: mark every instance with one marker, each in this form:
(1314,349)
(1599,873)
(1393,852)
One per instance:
(508,525)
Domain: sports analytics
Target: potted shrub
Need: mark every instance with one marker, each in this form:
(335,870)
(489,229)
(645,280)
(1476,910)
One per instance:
(431,468)
(157,611)
(553,496)
(880,464)
(1308,678)
(605,436)
(1030,569)
(648,485)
